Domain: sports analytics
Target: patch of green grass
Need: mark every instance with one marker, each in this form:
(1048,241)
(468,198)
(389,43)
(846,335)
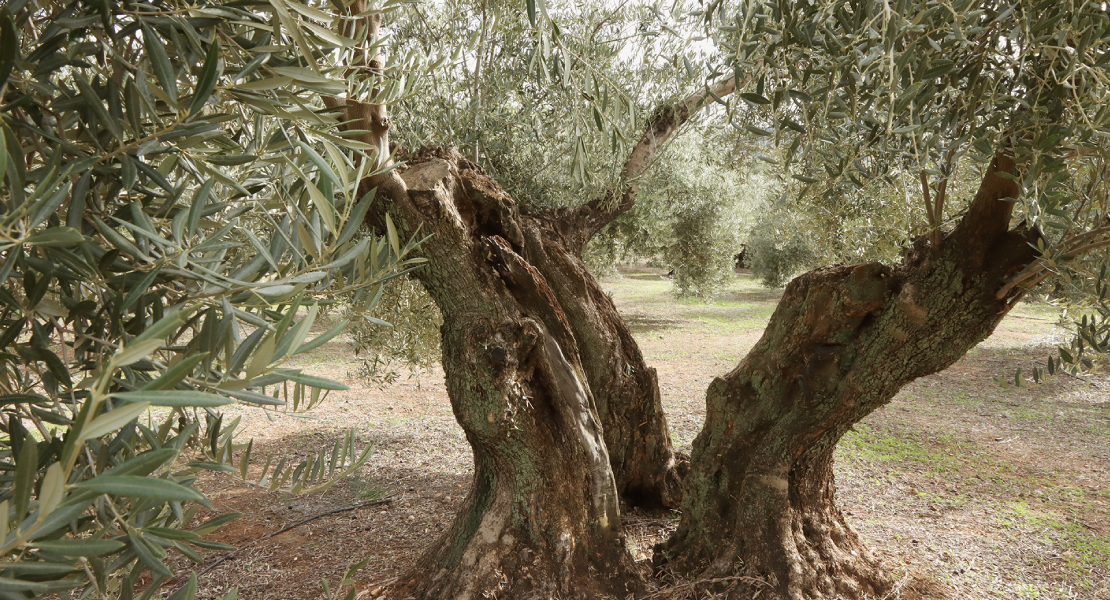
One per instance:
(905,447)
(1081,549)
(1037,310)
(742,307)
(1095,423)
(731,323)
(1033,591)
(641,324)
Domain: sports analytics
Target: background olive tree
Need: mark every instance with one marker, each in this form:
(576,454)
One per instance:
(696,206)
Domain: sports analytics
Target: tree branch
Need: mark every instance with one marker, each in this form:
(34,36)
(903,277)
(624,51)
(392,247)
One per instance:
(373,118)
(579,225)
(988,217)
(934,224)
(1037,270)
(942,191)
(665,123)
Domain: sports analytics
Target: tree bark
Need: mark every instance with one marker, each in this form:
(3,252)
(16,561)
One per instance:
(543,514)
(842,342)
(542,517)
(625,388)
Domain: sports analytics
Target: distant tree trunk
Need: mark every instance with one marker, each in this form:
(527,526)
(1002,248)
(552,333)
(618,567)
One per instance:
(842,342)
(742,258)
(542,517)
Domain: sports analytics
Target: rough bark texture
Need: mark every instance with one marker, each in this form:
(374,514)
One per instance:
(542,517)
(648,472)
(842,342)
(625,389)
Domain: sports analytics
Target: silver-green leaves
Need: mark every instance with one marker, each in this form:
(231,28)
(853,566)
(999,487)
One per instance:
(176,206)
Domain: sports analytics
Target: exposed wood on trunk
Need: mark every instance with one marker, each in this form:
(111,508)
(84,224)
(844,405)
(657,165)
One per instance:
(841,343)
(624,387)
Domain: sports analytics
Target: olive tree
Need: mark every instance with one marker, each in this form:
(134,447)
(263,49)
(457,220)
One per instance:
(855,95)
(552,392)
(861,94)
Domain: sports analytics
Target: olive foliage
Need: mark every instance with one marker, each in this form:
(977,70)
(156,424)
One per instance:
(896,107)
(692,212)
(176,205)
(548,103)
(548,98)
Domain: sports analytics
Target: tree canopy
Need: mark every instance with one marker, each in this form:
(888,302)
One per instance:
(876,106)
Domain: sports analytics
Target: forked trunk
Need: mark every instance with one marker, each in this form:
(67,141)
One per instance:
(542,517)
(625,389)
(842,342)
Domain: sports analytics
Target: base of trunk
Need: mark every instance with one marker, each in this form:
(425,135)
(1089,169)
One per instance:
(843,341)
(485,554)
(789,535)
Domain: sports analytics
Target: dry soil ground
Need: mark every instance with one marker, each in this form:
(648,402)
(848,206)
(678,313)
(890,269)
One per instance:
(965,489)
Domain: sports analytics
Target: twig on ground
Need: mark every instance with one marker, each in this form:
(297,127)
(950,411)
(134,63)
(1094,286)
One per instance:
(382,583)
(691,585)
(232,554)
(897,589)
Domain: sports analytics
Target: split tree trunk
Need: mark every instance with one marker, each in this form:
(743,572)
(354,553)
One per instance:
(542,517)
(625,389)
(842,342)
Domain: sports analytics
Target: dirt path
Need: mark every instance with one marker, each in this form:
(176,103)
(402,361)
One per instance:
(964,488)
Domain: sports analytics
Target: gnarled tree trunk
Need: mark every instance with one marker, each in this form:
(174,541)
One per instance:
(842,342)
(630,410)
(542,517)
(625,389)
